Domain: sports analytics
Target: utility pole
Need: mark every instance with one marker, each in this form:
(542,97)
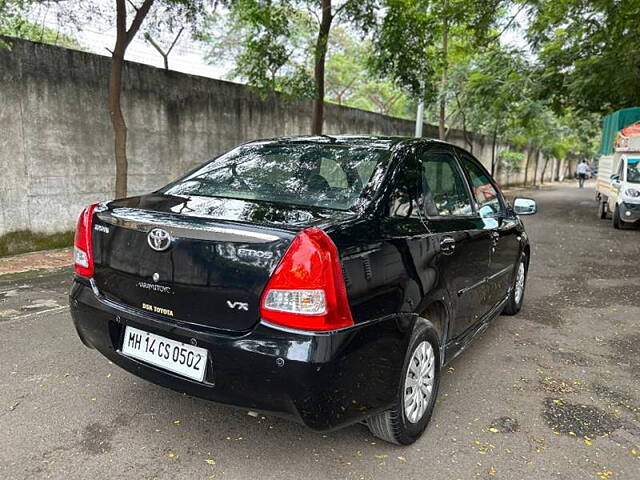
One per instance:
(419,117)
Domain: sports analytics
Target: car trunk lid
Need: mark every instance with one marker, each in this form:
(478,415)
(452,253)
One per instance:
(219,260)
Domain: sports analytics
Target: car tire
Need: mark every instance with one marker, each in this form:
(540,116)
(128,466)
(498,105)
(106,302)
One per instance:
(516,295)
(615,218)
(400,425)
(602,210)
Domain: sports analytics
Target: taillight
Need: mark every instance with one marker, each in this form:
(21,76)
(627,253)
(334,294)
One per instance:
(306,290)
(82,251)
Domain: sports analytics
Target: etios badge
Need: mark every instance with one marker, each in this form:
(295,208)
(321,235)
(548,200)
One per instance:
(159,239)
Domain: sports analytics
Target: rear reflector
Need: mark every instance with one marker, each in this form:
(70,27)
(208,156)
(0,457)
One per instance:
(82,250)
(306,290)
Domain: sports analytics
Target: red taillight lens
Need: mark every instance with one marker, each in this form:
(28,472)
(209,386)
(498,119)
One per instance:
(82,251)
(307,291)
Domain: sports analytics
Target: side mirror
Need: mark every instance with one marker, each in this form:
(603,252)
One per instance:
(614,177)
(524,206)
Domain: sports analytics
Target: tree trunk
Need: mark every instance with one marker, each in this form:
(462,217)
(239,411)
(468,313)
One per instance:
(317,117)
(123,38)
(443,80)
(559,169)
(559,166)
(115,108)
(119,125)
(544,170)
(526,166)
(493,152)
(465,133)
(535,171)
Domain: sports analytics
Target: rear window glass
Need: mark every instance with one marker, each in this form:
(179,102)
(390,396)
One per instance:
(311,174)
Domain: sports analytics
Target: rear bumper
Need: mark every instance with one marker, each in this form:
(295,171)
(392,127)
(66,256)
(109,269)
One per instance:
(323,380)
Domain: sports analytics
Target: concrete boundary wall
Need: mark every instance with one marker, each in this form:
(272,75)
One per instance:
(56,141)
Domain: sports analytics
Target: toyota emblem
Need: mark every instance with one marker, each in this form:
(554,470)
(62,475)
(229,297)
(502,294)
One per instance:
(159,239)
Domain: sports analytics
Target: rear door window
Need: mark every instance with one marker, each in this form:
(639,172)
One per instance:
(405,199)
(444,190)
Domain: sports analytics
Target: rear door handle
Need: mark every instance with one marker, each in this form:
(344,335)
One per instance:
(447,245)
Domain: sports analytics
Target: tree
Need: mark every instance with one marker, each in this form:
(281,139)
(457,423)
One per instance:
(272,23)
(511,162)
(125,32)
(14,24)
(18,27)
(267,43)
(164,53)
(589,53)
(159,14)
(360,13)
(497,82)
(463,24)
(124,35)
(346,66)
(403,47)
(417,40)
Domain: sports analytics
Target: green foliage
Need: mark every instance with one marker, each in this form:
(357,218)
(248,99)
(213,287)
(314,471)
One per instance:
(589,53)
(511,162)
(17,27)
(404,46)
(418,40)
(350,82)
(267,43)
(346,67)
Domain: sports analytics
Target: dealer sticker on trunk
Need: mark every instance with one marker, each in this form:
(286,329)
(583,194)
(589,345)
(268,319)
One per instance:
(160,310)
(162,352)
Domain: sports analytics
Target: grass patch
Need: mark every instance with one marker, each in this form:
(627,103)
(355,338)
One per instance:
(24,241)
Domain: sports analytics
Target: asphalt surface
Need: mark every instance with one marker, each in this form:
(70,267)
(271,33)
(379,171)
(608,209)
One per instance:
(551,393)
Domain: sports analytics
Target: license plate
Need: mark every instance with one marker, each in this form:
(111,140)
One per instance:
(162,352)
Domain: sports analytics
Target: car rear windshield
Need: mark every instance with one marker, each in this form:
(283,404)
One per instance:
(332,175)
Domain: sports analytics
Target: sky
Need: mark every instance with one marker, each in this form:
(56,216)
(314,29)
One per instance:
(98,36)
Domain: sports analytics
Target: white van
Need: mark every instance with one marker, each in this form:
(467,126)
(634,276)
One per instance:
(618,188)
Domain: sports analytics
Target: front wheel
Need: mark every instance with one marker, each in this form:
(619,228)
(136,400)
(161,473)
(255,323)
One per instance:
(407,419)
(516,295)
(616,221)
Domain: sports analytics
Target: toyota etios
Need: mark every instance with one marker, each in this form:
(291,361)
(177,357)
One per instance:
(325,279)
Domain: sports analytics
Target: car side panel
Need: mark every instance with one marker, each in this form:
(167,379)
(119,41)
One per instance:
(504,255)
(464,271)
(381,259)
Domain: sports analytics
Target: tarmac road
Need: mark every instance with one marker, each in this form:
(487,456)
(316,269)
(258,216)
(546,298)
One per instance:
(551,393)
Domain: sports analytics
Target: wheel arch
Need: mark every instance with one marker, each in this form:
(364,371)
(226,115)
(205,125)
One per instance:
(527,251)
(437,314)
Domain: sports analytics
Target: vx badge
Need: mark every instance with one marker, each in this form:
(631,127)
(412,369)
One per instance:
(238,305)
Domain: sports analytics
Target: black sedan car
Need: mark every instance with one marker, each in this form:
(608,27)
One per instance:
(324,279)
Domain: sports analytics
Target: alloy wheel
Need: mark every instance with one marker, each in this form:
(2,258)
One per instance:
(519,286)
(418,384)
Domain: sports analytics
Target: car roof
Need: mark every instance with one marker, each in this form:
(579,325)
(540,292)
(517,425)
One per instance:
(345,139)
